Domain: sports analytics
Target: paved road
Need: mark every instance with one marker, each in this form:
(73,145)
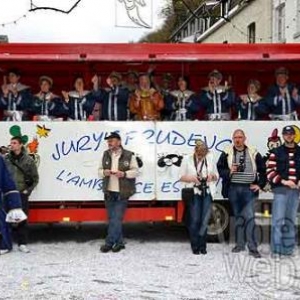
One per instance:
(65,263)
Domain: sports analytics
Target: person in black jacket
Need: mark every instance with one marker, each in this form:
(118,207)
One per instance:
(114,99)
(282,98)
(10,202)
(243,174)
(15,98)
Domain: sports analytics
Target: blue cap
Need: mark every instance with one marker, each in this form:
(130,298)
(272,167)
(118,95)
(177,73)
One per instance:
(288,130)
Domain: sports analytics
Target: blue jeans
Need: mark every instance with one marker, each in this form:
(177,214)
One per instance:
(284,216)
(199,214)
(116,208)
(242,203)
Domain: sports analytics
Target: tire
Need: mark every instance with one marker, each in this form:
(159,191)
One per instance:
(218,226)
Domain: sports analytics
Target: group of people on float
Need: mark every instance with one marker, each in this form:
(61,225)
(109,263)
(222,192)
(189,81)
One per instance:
(140,98)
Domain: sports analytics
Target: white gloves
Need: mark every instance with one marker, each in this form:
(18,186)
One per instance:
(16,215)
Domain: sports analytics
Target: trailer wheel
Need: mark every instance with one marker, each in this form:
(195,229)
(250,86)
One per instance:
(218,226)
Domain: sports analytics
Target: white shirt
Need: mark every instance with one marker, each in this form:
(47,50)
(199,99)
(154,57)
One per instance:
(188,168)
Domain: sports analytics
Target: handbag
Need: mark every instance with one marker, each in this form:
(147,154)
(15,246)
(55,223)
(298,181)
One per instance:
(187,194)
(27,179)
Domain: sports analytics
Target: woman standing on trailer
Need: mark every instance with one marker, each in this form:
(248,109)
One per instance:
(181,103)
(251,106)
(46,106)
(16,97)
(80,102)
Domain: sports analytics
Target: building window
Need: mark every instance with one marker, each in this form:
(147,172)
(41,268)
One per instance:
(192,27)
(201,25)
(185,32)
(3,39)
(280,22)
(234,3)
(207,24)
(251,33)
(224,8)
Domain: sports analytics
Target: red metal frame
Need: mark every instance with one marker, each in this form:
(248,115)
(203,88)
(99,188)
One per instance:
(146,52)
(138,211)
(62,61)
(146,214)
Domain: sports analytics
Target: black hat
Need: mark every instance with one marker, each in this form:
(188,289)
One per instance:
(115,75)
(113,135)
(167,77)
(216,74)
(281,71)
(14,71)
(133,73)
(288,129)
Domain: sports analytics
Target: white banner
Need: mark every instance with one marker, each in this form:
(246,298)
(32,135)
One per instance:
(68,153)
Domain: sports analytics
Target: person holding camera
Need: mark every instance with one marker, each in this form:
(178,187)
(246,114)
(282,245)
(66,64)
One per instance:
(199,176)
(243,173)
(24,172)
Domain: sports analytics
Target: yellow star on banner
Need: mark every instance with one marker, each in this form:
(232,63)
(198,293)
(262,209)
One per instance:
(42,131)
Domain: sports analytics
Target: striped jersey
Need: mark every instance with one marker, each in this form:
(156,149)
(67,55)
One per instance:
(243,160)
(272,174)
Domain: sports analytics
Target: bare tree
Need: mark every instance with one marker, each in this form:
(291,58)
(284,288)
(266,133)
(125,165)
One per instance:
(33,7)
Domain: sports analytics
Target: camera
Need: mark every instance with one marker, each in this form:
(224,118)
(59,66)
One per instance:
(29,181)
(241,164)
(202,186)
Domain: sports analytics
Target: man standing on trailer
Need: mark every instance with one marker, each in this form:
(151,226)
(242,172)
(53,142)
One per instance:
(114,99)
(283,172)
(283,98)
(243,174)
(217,100)
(118,169)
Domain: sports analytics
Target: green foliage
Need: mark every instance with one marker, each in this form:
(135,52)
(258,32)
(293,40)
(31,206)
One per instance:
(175,12)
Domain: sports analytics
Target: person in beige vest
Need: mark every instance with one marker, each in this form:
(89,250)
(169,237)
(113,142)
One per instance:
(118,168)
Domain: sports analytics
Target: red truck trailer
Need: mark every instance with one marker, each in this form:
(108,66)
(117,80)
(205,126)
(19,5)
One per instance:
(69,190)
